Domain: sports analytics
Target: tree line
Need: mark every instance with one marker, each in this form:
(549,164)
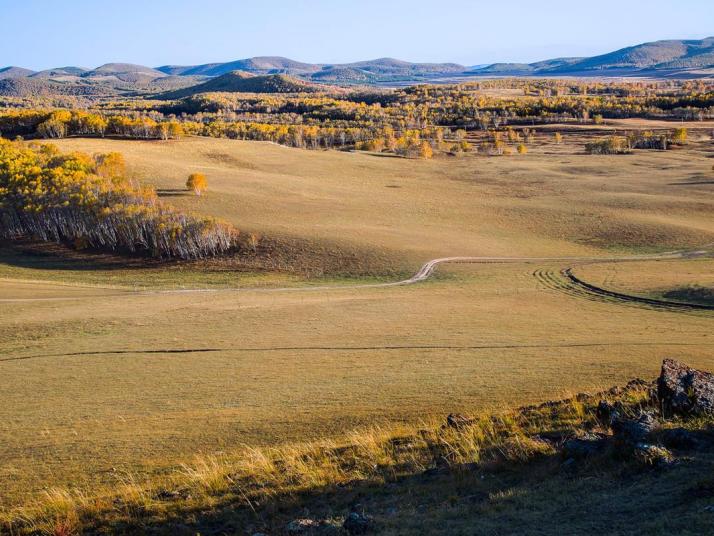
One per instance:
(401,121)
(87,201)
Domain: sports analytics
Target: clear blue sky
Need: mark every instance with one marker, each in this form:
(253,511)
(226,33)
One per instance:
(39,34)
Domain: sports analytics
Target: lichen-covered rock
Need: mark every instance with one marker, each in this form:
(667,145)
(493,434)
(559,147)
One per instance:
(653,455)
(685,391)
(302,526)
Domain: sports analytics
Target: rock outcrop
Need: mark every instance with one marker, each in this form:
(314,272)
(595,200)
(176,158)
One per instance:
(685,391)
(630,432)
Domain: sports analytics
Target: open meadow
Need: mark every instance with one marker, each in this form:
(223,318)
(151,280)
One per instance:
(112,370)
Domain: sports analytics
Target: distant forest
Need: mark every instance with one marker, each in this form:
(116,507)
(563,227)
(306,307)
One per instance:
(416,121)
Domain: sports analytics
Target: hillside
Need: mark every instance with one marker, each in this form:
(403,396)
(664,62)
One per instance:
(242,82)
(258,65)
(343,75)
(14,72)
(667,55)
(525,68)
(657,55)
(394,67)
(38,87)
(116,69)
(60,72)
(123,72)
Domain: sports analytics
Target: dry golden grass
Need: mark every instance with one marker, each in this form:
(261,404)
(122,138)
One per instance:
(651,276)
(111,383)
(251,478)
(553,201)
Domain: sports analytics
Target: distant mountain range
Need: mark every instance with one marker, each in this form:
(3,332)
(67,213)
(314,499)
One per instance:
(673,58)
(666,57)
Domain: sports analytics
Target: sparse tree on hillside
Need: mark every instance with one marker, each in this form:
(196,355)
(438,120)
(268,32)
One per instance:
(680,136)
(425,150)
(197,183)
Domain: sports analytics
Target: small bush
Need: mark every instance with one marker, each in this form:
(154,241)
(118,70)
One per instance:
(197,182)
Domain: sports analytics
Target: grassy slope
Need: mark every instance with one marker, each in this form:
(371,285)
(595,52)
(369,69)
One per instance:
(290,366)
(655,279)
(554,201)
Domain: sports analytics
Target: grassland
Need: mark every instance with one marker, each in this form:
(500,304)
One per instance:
(101,382)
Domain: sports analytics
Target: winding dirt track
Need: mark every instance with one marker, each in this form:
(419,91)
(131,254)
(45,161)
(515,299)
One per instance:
(574,286)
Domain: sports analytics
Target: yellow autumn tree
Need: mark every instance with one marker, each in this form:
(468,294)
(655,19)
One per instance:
(110,165)
(197,182)
(680,136)
(425,150)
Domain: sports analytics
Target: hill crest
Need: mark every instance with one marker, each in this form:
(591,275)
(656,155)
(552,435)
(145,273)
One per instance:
(243,82)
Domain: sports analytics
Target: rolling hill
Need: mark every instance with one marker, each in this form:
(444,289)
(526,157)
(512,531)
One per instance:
(259,65)
(343,75)
(38,87)
(646,58)
(381,69)
(124,72)
(59,72)
(657,55)
(242,82)
(14,72)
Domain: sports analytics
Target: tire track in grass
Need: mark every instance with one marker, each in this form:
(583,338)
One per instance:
(427,347)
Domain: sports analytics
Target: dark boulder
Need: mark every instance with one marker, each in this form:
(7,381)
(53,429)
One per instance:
(358,523)
(630,432)
(685,391)
(679,438)
(583,447)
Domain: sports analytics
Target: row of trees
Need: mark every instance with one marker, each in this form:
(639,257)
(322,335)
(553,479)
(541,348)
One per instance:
(637,140)
(88,201)
(62,123)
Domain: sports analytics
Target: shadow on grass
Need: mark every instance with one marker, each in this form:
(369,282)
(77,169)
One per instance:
(691,183)
(172,192)
(544,496)
(328,505)
(693,294)
(53,256)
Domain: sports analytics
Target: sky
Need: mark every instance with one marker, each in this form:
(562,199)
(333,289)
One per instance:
(39,34)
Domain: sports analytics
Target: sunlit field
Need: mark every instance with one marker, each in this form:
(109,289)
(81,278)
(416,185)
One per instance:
(104,377)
